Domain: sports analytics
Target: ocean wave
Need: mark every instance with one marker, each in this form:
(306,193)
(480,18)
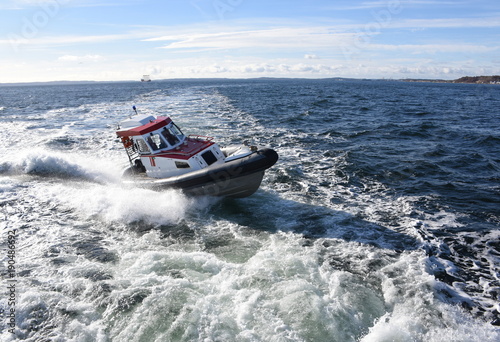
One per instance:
(55,165)
(365,236)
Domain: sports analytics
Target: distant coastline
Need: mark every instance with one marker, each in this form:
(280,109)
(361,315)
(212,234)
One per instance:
(466,79)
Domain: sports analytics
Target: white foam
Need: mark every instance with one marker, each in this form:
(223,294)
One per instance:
(6,184)
(94,188)
(63,165)
(406,323)
(248,283)
(113,203)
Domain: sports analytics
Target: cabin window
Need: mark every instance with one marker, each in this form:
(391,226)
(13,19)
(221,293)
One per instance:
(175,130)
(170,136)
(156,142)
(182,165)
(209,157)
(141,146)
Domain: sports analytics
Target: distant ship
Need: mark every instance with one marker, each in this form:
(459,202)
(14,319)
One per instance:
(146,78)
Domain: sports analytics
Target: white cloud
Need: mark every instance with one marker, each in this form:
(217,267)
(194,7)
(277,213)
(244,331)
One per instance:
(18,41)
(287,37)
(433,48)
(95,67)
(493,21)
(86,58)
(244,68)
(232,48)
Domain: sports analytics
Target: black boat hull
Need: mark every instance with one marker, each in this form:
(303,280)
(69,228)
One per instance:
(236,178)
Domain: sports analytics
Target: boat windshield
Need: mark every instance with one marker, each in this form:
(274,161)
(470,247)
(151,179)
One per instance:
(170,134)
(156,142)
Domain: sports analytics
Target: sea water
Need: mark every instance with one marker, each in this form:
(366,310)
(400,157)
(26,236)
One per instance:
(380,221)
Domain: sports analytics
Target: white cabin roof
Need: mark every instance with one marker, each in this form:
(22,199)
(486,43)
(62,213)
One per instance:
(136,121)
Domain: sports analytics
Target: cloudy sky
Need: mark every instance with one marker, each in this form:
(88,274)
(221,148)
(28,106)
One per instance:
(112,40)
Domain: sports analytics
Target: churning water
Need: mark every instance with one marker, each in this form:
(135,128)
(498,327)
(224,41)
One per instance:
(380,221)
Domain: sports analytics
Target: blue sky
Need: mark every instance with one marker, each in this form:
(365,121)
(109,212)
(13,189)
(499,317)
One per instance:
(112,40)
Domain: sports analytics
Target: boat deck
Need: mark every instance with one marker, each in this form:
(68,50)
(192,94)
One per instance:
(189,148)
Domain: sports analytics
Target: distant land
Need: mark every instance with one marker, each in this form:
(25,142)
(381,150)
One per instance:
(479,79)
(466,79)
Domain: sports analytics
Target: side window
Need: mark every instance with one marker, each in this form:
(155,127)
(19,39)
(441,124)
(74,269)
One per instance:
(156,142)
(182,165)
(209,157)
(141,146)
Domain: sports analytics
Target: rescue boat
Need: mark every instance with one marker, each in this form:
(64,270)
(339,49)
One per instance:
(162,157)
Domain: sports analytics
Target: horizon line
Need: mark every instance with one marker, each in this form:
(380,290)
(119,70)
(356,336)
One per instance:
(239,78)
